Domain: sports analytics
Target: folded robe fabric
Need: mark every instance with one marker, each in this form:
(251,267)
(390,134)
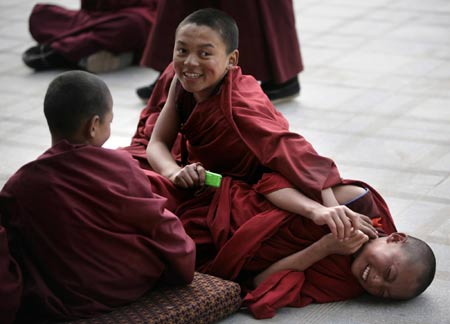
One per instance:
(238,233)
(10,282)
(89,234)
(117,26)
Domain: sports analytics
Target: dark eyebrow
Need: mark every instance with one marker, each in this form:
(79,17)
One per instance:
(202,45)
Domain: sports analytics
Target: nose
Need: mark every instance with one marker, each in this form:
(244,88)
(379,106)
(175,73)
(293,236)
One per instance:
(191,60)
(376,280)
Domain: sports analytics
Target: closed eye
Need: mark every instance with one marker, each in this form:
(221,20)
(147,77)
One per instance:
(391,274)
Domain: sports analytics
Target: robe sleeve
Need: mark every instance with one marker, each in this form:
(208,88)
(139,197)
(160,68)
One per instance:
(329,280)
(278,290)
(150,113)
(10,282)
(266,133)
(271,182)
(177,249)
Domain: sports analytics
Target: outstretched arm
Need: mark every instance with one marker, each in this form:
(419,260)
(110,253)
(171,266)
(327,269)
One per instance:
(160,145)
(302,260)
(340,219)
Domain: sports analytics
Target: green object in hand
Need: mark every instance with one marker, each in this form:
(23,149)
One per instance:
(212,179)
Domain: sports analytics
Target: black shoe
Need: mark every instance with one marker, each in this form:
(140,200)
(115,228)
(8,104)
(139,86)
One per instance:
(43,57)
(282,91)
(145,92)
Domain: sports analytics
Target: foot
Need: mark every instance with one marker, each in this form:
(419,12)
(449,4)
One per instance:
(104,61)
(145,92)
(43,57)
(279,92)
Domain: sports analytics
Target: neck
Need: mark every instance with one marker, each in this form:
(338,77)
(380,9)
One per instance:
(71,140)
(358,252)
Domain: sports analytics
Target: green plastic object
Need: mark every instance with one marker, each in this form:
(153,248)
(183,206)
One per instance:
(213,179)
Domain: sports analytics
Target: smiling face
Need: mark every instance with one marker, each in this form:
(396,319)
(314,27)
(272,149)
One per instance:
(201,60)
(383,268)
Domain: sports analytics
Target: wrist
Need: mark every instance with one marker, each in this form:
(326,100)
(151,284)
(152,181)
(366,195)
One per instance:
(171,173)
(313,213)
(325,246)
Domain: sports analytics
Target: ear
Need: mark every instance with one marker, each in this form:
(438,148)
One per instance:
(233,59)
(93,126)
(397,238)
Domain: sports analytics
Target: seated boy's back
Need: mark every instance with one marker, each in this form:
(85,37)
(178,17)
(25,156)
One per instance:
(85,227)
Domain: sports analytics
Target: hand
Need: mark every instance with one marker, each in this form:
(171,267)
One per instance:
(366,226)
(190,176)
(342,221)
(343,247)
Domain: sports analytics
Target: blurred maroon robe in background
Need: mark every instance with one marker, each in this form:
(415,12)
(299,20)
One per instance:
(117,26)
(268,43)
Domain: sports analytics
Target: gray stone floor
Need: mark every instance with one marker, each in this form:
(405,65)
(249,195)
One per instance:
(375,97)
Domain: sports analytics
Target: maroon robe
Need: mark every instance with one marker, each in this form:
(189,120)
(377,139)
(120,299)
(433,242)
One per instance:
(243,234)
(268,43)
(238,233)
(117,26)
(89,234)
(10,282)
(239,133)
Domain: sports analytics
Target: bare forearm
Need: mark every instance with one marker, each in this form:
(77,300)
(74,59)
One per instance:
(340,219)
(294,201)
(161,160)
(163,137)
(325,246)
(328,198)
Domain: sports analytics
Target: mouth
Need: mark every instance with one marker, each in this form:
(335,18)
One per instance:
(365,273)
(191,75)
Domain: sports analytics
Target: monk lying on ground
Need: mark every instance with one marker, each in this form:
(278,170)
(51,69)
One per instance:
(204,114)
(82,221)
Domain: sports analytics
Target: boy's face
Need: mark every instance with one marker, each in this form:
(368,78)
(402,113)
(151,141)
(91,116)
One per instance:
(383,269)
(200,59)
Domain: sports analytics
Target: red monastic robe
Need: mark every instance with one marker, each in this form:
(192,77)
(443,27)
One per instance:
(89,233)
(10,282)
(117,26)
(238,233)
(239,133)
(268,43)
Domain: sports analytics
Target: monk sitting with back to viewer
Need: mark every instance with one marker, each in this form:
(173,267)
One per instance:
(283,222)
(82,221)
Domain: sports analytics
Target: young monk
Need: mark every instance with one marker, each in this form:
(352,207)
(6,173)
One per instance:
(85,227)
(229,126)
(229,129)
